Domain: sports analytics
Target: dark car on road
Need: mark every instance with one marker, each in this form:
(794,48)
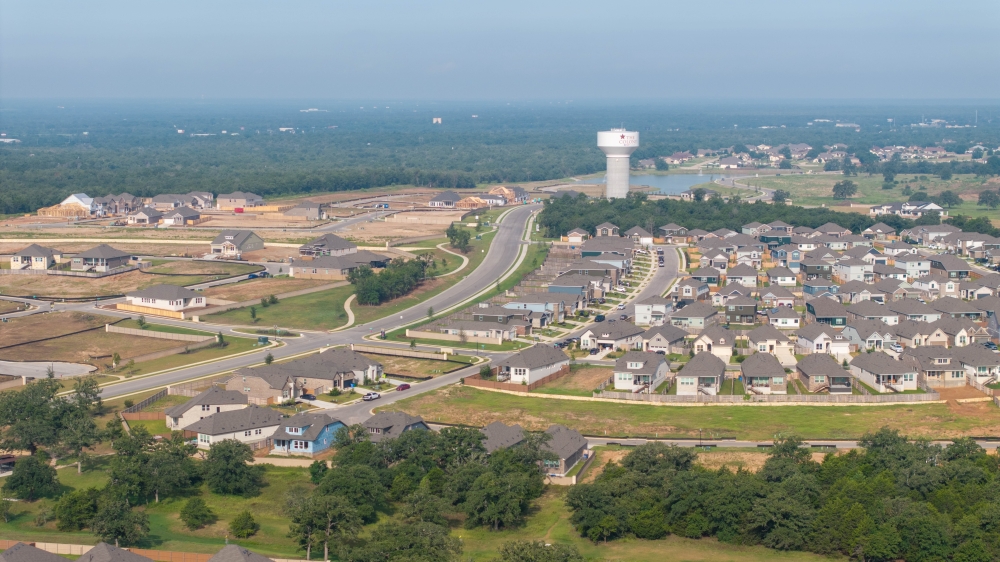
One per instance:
(599,318)
(308,396)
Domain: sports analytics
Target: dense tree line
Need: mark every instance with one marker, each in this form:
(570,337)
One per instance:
(563,214)
(398,278)
(893,499)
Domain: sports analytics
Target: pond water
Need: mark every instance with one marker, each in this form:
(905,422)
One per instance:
(667,184)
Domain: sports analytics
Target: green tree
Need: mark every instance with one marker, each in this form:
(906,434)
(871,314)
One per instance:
(7,510)
(699,194)
(116,521)
(264,303)
(253,313)
(844,189)
(430,312)
(662,165)
(76,510)
(115,360)
(949,199)
(32,418)
(31,479)
(785,164)
(537,551)
(196,514)
(226,470)
(497,501)
(272,299)
(422,506)
(780,196)
(170,468)
(989,198)
(459,237)
(141,321)
(80,434)
(317,470)
(243,526)
(945,172)
(336,520)
(425,542)
(268,359)
(128,471)
(604,529)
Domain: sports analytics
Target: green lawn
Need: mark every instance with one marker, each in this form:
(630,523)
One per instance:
(467,405)
(155,427)
(134,324)
(233,346)
(322,310)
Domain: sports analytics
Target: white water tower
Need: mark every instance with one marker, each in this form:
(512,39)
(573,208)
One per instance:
(618,145)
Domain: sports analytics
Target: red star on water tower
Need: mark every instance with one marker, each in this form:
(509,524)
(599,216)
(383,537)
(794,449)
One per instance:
(623,136)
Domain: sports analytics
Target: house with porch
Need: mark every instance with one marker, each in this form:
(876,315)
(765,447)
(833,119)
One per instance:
(235,243)
(612,335)
(171,298)
(950,266)
(784,318)
(146,216)
(666,339)
(327,245)
(885,374)
(869,335)
(703,374)
(568,446)
(713,259)
(762,373)
(722,296)
(912,309)
(305,434)
(767,339)
(653,310)
(826,311)
(707,275)
(956,308)
(35,257)
(717,340)
(100,258)
(888,272)
(253,424)
(939,366)
(640,372)
(532,365)
(820,371)
(821,338)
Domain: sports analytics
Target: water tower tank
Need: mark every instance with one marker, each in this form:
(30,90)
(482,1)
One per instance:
(618,145)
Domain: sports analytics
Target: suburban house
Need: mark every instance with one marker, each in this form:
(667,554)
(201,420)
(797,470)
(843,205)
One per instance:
(820,371)
(767,339)
(653,311)
(532,365)
(713,260)
(819,286)
(833,229)
(212,401)
(104,552)
(390,425)
(167,297)
(612,335)
(575,236)
(897,248)
(962,331)
(821,338)
(336,268)
(869,335)
(914,264)
(305,433)
(35,257)
(328,245)
(640,371)
(708,275)
(606,229)
(717,340)
(912,309)
(871,310)
(741,310)
(703,374)
(639,236)
(857,291)
(146,216)
(545,304)
(763,374)
(722,296)
(690,290)
(781,276)
(306,210)
(234,243)
(742,274)
(885,374)
(501,436)
(313,374)
(568,446)
(181,216)
(956,308)
(910,334)
(100,258)
(668,339)
(936,285)
(775,296)
(238,200)
(246,425)
(784,318)
(22,552)
(166,201)
(888,272)
(827,311)
(853,269)
(697,316)
(950,266)
(815,268)
(879,231)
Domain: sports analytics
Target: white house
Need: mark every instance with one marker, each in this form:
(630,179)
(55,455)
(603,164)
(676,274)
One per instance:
(914,264)
(612,335)
(167,297)
(853,269)
(246,425)
(640,371)
(742,274)
(767,339)
(822,338)
(532,364)
(212,401)
(717,340)
(145,215)
(652,311)
(640,235)
(781,276)
(784,318)
(882,372)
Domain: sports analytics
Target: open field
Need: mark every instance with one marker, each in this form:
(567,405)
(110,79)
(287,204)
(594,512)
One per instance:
(548,521)
(580,382)
(322,310)
(232,347)
(66,286)
(203,267)
(466,405)
(168,328)
(256,288)
(47,325)
(378,232)
(11,306)
(413,366)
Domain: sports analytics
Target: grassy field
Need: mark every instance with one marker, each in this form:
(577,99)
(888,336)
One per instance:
(413,366)
(255,289)
(322,310)
(134,324)
(11,306)
(466,405)
(233,346)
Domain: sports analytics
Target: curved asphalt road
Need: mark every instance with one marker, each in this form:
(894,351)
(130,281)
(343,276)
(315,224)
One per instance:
(502,254)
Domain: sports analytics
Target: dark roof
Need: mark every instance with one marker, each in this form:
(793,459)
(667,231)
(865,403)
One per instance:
(704,364)
(650,362)
(910,306)
(36,251)
(776,291)
(718,335)
(762,365)
(741,270)
(605,225)
(314,422)
(536,356)
(392,424)
(866,328)
(164,292)
(815,330)
(783,312)
(615,330)
(880,227)
(951,305)
(881,364)
(657,299)
(742,301)
(766,332)
(185,212)
(950,263)
(706,272)
(821,364)
(238,236)
(327,364)
(635,230)
(149,212)
(103,251)
(214,396)
(499,435)
(235,553)
(870,309)
(831,227)
(696,310)
(668,332)
(565,442)
(21,552)
(780,272)
(330,242)
(251,417)
(883,269)
(827,308)
(104,552)
(239,195)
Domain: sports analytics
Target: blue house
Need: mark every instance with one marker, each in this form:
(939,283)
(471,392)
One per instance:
(819,286)
(307,433)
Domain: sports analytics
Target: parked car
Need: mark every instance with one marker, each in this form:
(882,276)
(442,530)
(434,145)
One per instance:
(991,346)
(661,352)
(371,396)
(599,318)
(623,317)
(621,307)
(308,396)
(263,275)
(594,351)
(602,300)
(896,347)
(252,276)
(402,387)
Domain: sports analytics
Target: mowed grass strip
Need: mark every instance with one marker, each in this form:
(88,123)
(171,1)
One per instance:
(467,405)
(322,310)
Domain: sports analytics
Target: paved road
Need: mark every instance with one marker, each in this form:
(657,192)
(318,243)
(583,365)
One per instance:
(502,254)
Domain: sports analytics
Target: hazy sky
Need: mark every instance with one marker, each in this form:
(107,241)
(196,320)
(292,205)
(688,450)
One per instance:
(507,49)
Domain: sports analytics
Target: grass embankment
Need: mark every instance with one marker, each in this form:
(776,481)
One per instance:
(166,328)
(466,405)
(232,347)
(548,521)
(322,310)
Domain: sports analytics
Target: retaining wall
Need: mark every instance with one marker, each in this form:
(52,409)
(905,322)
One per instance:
(150,310)
(157,335)
(451,337)
(397,352)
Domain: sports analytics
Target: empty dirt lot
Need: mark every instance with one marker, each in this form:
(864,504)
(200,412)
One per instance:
(257,288)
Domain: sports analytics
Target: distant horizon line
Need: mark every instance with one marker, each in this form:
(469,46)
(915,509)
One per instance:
(502,101)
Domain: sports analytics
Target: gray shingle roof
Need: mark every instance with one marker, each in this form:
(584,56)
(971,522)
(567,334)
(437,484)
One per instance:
(149,212)
(165,292)
(870,309)
(668,332)
(392,424)
(657,300)
(214,396)
(881,364)
(238,236)
(827,308)
(741,270)
(696,310)
(950,263)
(766,332)
(615,330)
(779,272)
(251,417)
(565,442)
(650,362)
(951,305)
(499,435)
(36,251)
(821,364)
(21,552)
(102,251)
(234,553)
(184,212)
(104,552)
(762,365)
(330,242)
(637,231)
(326,365)
(704,364)
(865,328)
(536,356)
(447,196)
(815,330)
(314,422)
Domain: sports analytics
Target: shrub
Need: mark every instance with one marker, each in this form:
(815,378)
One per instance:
(196,514)
(243,526)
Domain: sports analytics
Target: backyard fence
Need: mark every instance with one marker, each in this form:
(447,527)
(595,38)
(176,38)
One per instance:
(194,388)
(476,380)
(981,387)
(773,398)
(398,352)
(142,405)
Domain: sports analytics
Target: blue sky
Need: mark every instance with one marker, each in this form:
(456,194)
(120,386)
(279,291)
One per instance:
(502,50)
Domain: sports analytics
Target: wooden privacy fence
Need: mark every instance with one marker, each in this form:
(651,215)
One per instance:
(774,398)
(981,387)
(142,405)
(156,334)
(398,352)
